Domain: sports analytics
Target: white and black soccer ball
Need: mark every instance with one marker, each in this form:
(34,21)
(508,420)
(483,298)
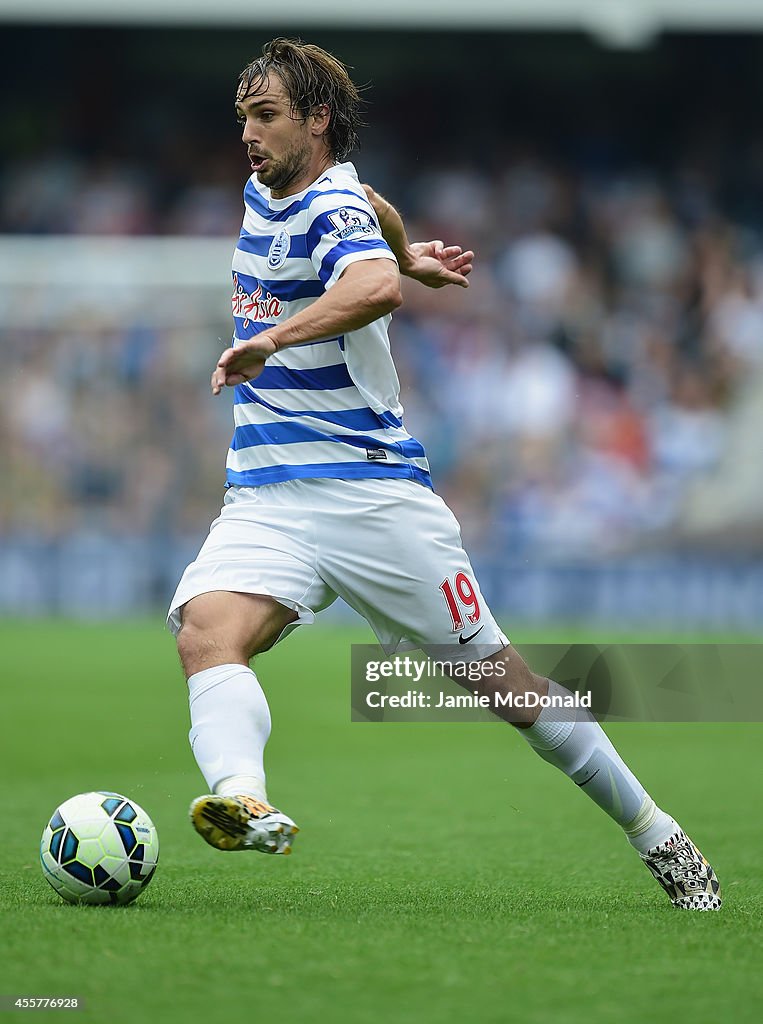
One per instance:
(99,848)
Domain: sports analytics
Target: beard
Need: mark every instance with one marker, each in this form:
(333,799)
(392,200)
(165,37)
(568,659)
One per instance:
(280,174)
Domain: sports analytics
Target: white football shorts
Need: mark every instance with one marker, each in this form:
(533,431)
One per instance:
(390,548)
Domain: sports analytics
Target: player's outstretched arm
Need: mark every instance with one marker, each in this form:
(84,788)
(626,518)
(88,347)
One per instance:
(366,290)
(432,263)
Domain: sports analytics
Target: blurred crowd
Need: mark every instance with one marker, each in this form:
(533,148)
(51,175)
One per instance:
(582,395)
(571,401)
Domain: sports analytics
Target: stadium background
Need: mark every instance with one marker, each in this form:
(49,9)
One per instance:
(592,408)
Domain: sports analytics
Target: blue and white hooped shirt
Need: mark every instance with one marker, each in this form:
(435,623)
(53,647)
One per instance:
(326,408)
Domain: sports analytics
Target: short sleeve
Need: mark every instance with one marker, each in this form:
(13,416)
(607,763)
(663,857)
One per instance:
(340,235)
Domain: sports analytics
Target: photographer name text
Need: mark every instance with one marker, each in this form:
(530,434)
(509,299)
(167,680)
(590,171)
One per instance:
(421,699)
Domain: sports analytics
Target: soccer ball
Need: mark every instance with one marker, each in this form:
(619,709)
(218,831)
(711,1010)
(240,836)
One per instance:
(99,848)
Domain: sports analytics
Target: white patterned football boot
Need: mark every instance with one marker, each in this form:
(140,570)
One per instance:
(684,873)
(242,823)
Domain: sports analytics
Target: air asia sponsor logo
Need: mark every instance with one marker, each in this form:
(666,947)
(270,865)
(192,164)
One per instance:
(254,306)
(279,250)
(351,223)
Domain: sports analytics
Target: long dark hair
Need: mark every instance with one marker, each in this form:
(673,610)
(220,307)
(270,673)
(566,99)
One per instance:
(312,78)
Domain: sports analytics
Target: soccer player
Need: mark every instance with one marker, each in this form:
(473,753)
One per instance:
(328,495)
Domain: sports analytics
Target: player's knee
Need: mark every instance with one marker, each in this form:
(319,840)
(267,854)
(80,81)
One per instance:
(511,668)
(198,648)
(208,638)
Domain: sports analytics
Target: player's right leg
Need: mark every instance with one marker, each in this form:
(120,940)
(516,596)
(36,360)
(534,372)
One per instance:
(230,719)
(253,581)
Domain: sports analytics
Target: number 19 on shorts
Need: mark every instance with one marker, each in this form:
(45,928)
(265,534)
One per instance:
(460,597)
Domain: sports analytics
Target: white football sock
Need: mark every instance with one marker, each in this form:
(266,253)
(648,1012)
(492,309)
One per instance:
(230,725)
(235,784)
(572,740)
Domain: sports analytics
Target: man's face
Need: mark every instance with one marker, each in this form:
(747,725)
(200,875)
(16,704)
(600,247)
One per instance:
(281,145)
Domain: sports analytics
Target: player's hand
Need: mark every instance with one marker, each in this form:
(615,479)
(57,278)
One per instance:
(242,363)
(436,264)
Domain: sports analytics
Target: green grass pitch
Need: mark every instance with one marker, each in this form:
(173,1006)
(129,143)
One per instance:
(443,873)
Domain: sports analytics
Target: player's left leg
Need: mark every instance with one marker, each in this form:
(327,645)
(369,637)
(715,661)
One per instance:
(573,741)
(393,551)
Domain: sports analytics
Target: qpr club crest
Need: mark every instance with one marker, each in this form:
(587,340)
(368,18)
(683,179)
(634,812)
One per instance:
(279,250)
